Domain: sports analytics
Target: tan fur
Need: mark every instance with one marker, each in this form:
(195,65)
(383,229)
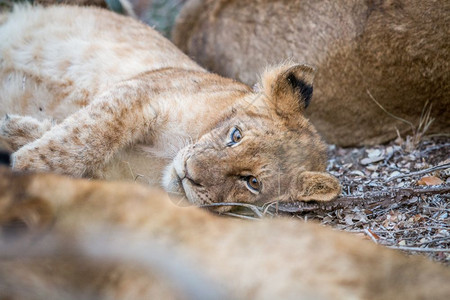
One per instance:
(128,104)
(398,51)
(267,259)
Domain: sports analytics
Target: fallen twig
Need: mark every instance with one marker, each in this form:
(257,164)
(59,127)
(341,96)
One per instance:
(418,249)
(444,166)
(382,198)
(371,235)
(435,241)
(435,148)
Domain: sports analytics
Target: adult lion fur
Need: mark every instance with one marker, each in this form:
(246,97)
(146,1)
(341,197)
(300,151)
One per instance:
(394,52)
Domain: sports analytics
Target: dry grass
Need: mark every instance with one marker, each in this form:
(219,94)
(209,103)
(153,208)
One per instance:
(418,130)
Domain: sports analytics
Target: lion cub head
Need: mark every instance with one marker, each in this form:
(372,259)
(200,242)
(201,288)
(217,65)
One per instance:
(264,149)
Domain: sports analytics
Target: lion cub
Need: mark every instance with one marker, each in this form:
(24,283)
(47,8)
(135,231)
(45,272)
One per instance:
(105,96)
(121,241)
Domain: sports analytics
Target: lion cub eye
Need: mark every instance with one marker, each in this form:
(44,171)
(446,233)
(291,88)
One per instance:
(235,136)
(253,184)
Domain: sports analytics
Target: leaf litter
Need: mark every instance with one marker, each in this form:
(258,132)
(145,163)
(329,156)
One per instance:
(419,223)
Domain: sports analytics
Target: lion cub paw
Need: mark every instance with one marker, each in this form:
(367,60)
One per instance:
(48,155)
(29,159)
(17,131)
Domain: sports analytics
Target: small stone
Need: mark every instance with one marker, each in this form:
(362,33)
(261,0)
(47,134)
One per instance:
(371,153)
(411,157)
(389,151)
(372,167)
(443,232)
(357,173)
(420,166)
(443,216)
(370,160)
(394,174)
(413,200)
(399,141)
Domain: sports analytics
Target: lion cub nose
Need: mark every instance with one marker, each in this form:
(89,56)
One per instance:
(191,171)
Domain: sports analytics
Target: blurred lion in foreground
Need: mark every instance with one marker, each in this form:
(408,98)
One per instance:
(67,238)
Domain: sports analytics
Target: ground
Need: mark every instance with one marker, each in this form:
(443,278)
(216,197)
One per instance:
(414,221)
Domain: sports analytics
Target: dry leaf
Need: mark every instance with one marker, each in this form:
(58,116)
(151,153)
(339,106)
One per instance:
(430,180)
(349,219)
(416,218)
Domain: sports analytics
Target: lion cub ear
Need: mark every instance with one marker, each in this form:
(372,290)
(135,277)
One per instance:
(289,88)
(316,186)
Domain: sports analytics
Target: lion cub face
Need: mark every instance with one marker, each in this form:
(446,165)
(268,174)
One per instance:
(263,150)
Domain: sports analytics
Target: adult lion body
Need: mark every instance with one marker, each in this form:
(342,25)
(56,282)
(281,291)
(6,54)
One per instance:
(110,232)
(102,95)
(394,52)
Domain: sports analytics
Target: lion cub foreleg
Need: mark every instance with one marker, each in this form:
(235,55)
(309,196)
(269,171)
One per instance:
(93,135)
